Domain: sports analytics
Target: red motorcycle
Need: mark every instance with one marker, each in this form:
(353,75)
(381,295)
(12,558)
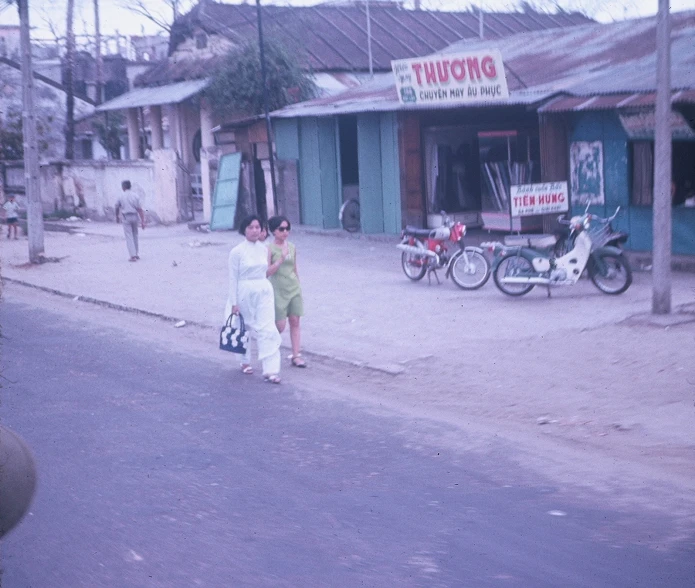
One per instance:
(425,251)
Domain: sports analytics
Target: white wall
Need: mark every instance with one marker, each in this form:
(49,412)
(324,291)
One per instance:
(94,186)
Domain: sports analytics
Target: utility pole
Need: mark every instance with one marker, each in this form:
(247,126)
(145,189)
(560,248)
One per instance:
(268,128)
(69,82)
(661,245)
(31,151)
(369,41)
(99,61)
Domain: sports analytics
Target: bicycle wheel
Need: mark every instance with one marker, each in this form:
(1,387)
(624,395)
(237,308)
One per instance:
(349,216)
(611,274)
(513,265)
(414,266)
(470,270)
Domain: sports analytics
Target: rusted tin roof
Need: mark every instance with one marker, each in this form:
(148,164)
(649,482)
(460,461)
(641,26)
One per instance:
(333,38)
(585,67)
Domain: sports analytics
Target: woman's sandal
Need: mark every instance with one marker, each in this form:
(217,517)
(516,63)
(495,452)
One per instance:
(272,379)
(246,369)
(297,361)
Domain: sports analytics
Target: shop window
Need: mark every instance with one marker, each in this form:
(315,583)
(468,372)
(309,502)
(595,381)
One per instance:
(507,158)
(451,164)
(683,173)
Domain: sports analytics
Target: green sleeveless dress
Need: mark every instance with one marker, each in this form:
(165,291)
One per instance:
(288,292)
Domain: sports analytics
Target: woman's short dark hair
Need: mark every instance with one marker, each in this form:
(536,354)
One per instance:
(247,221)
(275,221)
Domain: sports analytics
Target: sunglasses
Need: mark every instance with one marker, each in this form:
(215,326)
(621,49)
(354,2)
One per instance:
(283,229)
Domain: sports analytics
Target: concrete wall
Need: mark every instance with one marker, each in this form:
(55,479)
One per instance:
(91,188)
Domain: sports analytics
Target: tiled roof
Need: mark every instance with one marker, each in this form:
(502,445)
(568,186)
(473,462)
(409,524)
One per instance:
(334,37)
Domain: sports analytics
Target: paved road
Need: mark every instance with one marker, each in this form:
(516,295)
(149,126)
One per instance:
(159,469)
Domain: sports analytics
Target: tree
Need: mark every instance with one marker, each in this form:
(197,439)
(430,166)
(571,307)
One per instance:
(109,133)
(236,88)
(11,139)
(158,12)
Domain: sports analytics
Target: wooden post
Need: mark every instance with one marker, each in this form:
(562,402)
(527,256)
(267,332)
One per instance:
(31,151)
(661,247)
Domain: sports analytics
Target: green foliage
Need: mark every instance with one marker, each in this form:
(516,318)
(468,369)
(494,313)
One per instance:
(11,140)
(236,89)
(108,132)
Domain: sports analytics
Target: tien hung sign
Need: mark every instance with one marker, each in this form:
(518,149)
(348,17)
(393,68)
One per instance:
(531,199)
(451,79)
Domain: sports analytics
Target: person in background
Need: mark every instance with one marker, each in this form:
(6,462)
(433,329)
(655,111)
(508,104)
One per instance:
(251,294)
(282,272)
(12,215)
(129,204)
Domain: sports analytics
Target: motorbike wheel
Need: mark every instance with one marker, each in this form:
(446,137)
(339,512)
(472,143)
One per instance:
(510,265)
(615,275)
(470,270)
(414,266)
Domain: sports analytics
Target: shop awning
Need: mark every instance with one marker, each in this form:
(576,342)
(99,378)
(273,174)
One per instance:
(155,96)
(639,125)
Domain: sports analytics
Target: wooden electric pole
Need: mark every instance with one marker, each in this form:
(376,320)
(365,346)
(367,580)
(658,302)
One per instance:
(268,126)
(661,238)
(31,151)
(69,83)
(99,82)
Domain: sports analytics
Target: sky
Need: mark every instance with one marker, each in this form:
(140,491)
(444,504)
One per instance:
(115,18)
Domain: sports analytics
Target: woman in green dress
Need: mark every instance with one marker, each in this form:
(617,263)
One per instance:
(282,273)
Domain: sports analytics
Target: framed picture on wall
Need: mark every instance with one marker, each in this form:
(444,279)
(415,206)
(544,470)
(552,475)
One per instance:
(586,173)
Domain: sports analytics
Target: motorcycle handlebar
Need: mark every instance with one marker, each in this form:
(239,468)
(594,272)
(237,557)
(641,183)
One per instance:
(609,219)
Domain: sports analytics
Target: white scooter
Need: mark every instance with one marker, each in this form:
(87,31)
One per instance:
(522,263)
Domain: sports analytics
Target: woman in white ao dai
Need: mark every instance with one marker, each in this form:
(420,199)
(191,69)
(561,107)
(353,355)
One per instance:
(251,293)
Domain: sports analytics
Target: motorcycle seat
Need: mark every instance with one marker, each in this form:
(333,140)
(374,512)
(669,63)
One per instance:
(536,241)
(415,232)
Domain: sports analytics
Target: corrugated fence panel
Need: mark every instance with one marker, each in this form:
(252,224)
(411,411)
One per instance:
(390,173)
(369,163)
(310,173)
(330,189)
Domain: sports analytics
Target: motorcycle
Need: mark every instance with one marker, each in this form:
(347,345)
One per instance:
(601,232)
(522,263)
(425,252)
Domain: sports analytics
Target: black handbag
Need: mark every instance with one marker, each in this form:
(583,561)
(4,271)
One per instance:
(234,338)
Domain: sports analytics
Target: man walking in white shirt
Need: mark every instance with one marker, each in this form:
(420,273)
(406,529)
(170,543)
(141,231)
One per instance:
(129,205)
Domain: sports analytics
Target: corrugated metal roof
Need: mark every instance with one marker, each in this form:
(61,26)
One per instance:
(169,94)
(379,95)
(613,101)
(581,64)
(334,37)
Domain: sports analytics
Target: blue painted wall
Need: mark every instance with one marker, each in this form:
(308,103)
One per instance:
(369,165)
(636,220)
(314,142)
(390,173)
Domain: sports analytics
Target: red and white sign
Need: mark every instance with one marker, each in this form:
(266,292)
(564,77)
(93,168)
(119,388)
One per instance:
(451,79)
(531,199)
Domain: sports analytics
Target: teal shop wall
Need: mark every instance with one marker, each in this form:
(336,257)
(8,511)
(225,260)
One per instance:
(379,174)
(606,127)
(635,220)
(314,143)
